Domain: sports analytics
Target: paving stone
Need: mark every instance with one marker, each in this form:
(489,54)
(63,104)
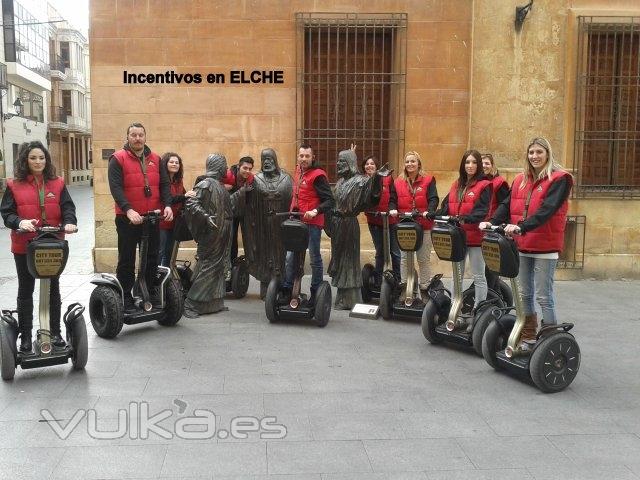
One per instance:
(317,457)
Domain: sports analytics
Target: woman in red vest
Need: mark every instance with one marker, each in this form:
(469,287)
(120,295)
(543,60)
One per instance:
(469,199)
(388,201)
(500,191)
(35,197)
(537,210)
(172,163)
(417,191)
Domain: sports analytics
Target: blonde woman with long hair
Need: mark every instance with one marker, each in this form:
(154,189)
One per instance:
(537,210)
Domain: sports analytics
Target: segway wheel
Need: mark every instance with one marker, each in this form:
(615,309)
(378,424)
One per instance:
(505,292)
(430,320)
(368,279)
(7,357)
(483,319)
(106,311)
(469,298)
(240,277)
(555,362)
(322,311)
(271,300)
(173,304)
(494,340)
(386,299)
(77,338)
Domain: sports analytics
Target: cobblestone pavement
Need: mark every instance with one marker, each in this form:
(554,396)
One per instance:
(360,399)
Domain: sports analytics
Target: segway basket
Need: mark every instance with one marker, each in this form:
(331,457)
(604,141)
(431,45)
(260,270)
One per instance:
(295,235)
(47,256)
(449,241)
(501,255)
(409,235)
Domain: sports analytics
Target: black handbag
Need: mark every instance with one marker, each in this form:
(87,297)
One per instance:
(295,235)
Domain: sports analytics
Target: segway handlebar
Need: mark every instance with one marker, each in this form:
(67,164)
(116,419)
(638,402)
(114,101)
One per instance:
(286,214)
(499,229)
(151,213)
(46,229)
(414,214)
(447,219)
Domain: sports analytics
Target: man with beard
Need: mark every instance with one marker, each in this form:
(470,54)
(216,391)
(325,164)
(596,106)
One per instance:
(261,235)
(209,218)
(354,193)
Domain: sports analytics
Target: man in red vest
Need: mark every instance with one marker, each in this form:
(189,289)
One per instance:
(311,196)
(138,185)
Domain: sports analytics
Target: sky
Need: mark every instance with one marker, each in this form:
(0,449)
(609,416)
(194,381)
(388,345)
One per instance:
(74,11)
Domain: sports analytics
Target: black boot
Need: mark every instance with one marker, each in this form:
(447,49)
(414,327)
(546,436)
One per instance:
(56,337)
(25,323)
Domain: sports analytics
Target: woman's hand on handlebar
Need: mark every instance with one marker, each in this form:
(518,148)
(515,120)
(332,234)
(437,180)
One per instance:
(393,213)
(70,228)
(168,214)
(485,225)
(28,225)
(512,230)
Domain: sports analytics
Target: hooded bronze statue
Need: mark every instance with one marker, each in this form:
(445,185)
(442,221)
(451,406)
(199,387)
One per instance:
(209,217)
(354,193)
(261,236)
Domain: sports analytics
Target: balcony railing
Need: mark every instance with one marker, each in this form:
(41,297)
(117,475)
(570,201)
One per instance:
(58,115)
(56,62)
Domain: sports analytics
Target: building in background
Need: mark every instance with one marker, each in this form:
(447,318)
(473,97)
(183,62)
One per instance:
(70,105)
(24,78)
(436,76)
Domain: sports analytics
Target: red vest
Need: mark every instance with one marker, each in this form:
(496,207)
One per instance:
(550,236)
(177,188)
(27,198)
(133,181)
(229,178)
(417,199)
(471,196)
(383,204)
(305,197)
(497,183)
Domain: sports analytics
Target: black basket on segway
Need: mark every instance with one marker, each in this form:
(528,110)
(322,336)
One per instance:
(295,235)
(449,241)
(410,235)
(500,255)
(47,256)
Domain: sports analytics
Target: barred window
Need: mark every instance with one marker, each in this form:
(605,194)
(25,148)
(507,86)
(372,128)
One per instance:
(351,71)
(607,137)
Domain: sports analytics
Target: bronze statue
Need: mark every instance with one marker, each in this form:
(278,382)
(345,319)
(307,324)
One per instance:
(271,192)
(209,217)
(354,193)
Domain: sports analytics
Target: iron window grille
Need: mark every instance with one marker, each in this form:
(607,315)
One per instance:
(607,126)
(572,256)
(351,85)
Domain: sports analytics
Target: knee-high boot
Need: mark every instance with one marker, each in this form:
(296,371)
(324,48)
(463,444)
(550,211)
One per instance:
(25,323)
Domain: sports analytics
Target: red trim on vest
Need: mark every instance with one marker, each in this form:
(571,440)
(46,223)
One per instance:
(407,201)
(133,181)
(550,236)
(383,204)
(305,197)
(177,188)
(471,197)
(27,199)
(497,183)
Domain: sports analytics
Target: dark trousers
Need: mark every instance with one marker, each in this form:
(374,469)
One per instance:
(166,247)
(26,285)
(129,237)
(376,235)
(234,239)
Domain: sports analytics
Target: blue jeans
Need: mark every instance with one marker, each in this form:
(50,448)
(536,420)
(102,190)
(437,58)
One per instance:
(536,276)
(166,247)
(377,237)
(315,260)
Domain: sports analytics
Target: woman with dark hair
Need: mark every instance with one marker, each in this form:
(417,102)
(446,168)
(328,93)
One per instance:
(35,197)
(469,199)
(172,163)
(388,201)
(537,209)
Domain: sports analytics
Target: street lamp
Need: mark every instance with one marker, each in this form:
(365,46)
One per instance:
(18,106)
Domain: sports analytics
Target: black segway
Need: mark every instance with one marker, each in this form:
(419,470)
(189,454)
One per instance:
(393,304)
(450,317)
(106,305)
(237,283)
(295,237)
(46,258)
(554,360)
(370,287)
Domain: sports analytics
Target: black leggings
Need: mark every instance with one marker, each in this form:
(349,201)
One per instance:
(26,285)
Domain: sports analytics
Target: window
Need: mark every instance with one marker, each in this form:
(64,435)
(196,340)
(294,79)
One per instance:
(25,39)
(607,137)
(65,54)
(66,101)
(81,105)
(32,105)
(351,84)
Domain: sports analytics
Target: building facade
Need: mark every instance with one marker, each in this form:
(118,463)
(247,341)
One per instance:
(436,76)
